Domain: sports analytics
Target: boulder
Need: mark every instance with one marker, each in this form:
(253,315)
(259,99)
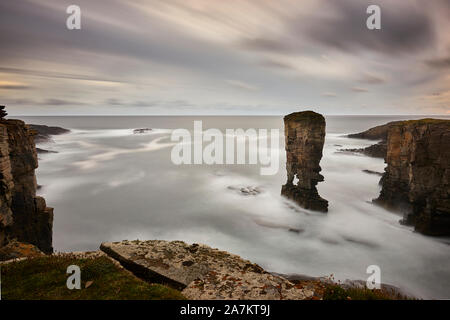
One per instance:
(201,272)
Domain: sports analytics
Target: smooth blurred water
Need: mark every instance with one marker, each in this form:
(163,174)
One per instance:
(108,184)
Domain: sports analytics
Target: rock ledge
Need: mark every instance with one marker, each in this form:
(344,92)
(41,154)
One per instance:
(201,271)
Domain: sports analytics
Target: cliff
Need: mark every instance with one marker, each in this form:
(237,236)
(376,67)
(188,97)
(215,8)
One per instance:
(23,215)
(417,177)
(304,138)
(375,133)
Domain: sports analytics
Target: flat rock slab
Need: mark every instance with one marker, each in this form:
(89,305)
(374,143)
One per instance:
(201,272)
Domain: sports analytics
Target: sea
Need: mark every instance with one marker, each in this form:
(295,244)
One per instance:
(107,183)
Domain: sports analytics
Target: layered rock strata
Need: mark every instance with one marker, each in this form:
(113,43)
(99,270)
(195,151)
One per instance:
(304,140)
(23,215)
(417,177)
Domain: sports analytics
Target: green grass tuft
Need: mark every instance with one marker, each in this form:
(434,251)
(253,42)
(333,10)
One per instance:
(337,292)
(44,278)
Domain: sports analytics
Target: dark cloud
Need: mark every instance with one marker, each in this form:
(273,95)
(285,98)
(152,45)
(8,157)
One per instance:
(33,30)
(270,63)
(14,87)
(372,79)
(439,63)
(404,28)
(266,44)
(149,104)
(358,89)
(58,75)
(121,103)
(60,102)
(55,102)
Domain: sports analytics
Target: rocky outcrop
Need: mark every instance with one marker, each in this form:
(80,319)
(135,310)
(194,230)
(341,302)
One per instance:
(417,177)
(18,250)
(141,130)
(202,272)
(304,137)
(23,215)
(44,133)
(375,133)
(379,149)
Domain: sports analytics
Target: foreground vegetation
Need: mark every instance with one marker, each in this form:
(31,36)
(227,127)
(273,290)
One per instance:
(336,292)
(44,278)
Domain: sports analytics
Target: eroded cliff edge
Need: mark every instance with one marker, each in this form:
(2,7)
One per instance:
(304,138)
(417,177)
(23,215)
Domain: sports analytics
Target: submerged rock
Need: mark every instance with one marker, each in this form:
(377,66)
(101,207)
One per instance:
(305,137)
(200,271)
(373,172)
(417,177)
(246,190)
(377,150)
(141,130)
(40,150)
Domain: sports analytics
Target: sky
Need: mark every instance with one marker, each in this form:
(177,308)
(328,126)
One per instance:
(233,57)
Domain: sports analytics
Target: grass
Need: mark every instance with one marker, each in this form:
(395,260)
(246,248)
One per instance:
(336,292)
(44,278)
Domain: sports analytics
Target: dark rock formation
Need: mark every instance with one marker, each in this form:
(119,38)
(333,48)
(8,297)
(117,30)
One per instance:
(246,190)
(23,215)
(43,133)
(417,177)
(141,130)
(3,113)
(373,172)
(376,150)
(39,150)
(376,133)
(17,250)
(305,137)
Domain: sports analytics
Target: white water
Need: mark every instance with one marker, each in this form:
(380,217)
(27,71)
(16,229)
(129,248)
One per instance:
(109,184)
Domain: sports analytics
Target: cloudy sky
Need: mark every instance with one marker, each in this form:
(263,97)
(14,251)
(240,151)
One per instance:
(224,57)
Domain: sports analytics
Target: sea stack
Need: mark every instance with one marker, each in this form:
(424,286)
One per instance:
(304,137)
(417,177)
(23,215)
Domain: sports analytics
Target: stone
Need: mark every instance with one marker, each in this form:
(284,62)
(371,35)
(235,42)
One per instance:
(43,133)
(305,137)
(17,250)
(373,172)
(141,130)
(416,181)
(201,272)
(377,150)
(23,216)
(3,113)
(246,190)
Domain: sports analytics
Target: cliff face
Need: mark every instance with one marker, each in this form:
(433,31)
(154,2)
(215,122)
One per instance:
(417,177)
(23,215)
(305,137)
